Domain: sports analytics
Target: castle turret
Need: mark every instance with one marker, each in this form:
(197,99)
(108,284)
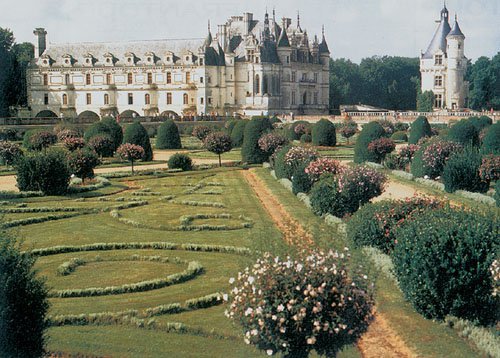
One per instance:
(457,65)
(41,44)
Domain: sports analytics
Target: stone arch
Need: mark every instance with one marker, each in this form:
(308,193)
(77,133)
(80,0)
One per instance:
(129,113)
(46,114)
(89,116)
(169,114)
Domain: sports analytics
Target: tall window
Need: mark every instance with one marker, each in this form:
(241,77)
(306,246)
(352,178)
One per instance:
(304,76)
(150,78)
(188,77)
(294,76)
(201,62)
(169,98)
(438,81)
(185,99)
(257,84)
(45,79)
(46,99)
(438,60)
(89,98)
(108,78)
(201,100)
(67,79)
(438,100)
(106,98)
(316,77)
(87,78)
(147,99)
(169,77)
(201,79)
(315,97)
(129,78)
(293,97)
(65,99)
(130,98)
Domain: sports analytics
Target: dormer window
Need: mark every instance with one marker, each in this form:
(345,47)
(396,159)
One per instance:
(131,58)
(438,60)
(89,59)
(45,62)
(109,59)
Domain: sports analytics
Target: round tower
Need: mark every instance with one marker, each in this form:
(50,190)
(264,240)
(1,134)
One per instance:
(457,65)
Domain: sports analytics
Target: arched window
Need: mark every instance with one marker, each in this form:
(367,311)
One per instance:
(106,98)
(65,99)
(257,84)
(185,98)
(129,78)
(147,99)
(169,98)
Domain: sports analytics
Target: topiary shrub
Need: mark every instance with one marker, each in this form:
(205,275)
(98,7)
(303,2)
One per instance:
(82,162)
(323,133)
(135,133)
(107,126)
(131,152)
(461,172)
(250,150)
(305,138)
(180,161)
(326,305)
(281,169)
(388,126)
(38,139)
(296,156)
(9,152)
(464,132)
(73,143)
(370,132)
(316,168)
(218,143)
(446,270)
(374,224)
(346,192)
(301,181)
(380,148)
(168,136)
(348,129)
(201,132)
(269,142)
(102,144)
(237,133)
(47,172)
(491,140)
(431,158)
(419,128)
(400,136)
(303,128)
(23,304)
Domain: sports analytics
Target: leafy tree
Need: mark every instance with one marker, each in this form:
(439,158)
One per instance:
(464,132)
(82,163)
(201,132)
(250,151)
(237,133)
(484,79)
(23,303)
(135,133)
(168,136)
(130,152)
(38,139)
(323,133)
(218,143)
(425,101)
(107,126)
(491,141)
(102,144)
(9,152)
(6,63)
(348,129)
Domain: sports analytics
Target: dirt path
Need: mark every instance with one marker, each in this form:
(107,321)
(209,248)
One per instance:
(381,341)
(394,191)
(293,233)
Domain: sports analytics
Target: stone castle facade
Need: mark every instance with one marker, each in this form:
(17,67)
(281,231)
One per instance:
(443,66)
(249,67)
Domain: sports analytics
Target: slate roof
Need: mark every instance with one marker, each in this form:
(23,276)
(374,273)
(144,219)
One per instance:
(456,31)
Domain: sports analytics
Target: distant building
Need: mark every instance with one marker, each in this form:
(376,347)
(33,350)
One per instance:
(250,67)
(443,66)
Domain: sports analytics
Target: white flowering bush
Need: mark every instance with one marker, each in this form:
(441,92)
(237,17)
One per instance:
(296,306)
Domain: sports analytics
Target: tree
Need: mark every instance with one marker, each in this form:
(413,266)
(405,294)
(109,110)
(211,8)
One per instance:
(348,129)
(419,128)
(9,152)
(370,132)
(130,152)
(6,63)
(218,143)
(23,303)
(425,101)
(238,132)
(323,133)
(250,151)
(168,136)
(107,126)
(201,132)
(102,144)
(135,133)
(38,139)
(82,163)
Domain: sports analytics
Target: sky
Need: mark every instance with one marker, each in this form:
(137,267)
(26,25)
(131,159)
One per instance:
(355,29)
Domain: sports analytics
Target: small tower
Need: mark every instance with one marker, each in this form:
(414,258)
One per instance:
(457,65)
(42,41)
(283,45)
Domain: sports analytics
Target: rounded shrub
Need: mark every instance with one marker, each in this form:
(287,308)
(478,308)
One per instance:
(102,144)
(238,132)
(82,162)
(401,126)
(269,142)
(39,139)
(168,136)
(380,148)
(250,150)
(9,152)
(481,122)
(326,306)
(23,304)
(47,172)
(201,132)
(301,181)
(297,156)
(107,126)
(316,168)
(490,168)
(230,125)
(64,134)
(73,143)
(305,138)
(135,133)
(281,169)
(374,224)
(294,133)
(324,134)
(400,136)
(419,128)
(464,132)
(369,133)
(388,127)
(180,161)
(461,172)
(491,140)
(445,271)
(432,156)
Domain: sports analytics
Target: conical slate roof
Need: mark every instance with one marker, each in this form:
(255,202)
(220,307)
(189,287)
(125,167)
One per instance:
(283,40)
(323,46)
(455,31)
(439,40)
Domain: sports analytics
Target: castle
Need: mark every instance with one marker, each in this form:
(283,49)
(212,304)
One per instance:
(443,66)
(249,67)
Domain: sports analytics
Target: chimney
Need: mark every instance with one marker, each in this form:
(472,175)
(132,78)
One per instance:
(42,41)
(247,21)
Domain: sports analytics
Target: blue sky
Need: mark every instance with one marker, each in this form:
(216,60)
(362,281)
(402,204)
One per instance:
(354,28)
